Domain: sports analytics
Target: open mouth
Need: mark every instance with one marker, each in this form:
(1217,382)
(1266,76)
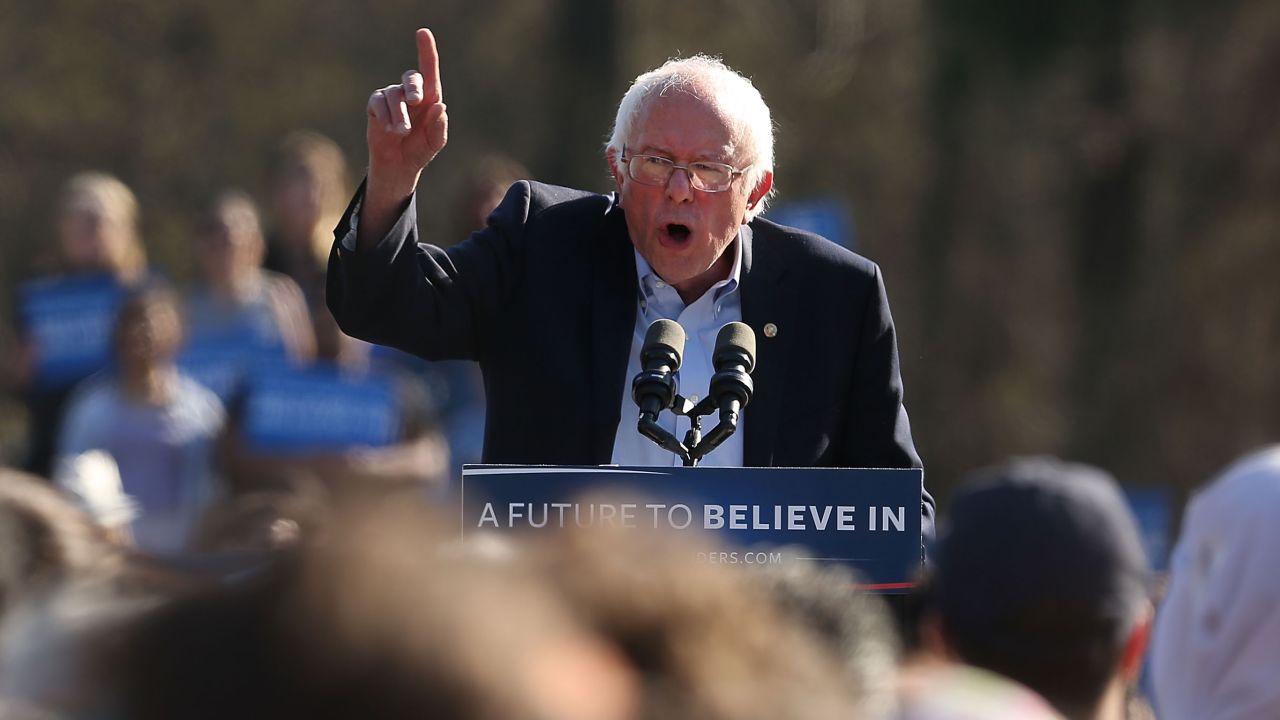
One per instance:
(675,232)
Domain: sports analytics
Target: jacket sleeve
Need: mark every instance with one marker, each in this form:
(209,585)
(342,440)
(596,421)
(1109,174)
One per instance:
(879,431)
(420,298)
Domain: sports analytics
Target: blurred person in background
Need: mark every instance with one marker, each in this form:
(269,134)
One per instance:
(158,424)
(309,191)
(240,316)
(65,316)
(92,483)
(1216,650)
(1040,576)
(482,190)
(350,424)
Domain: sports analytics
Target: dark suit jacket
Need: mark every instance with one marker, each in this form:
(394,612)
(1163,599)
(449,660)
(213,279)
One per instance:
(545,299)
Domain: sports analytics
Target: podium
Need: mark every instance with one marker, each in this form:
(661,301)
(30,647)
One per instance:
(868,519)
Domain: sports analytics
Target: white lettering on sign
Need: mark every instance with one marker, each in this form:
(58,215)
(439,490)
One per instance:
(712,517)
(682,508)
(778,518)
(488,515)
(844,518)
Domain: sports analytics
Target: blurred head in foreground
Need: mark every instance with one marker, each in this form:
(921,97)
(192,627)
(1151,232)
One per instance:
(853,624)
(708,641)
(44,539)
(1041,577)
(1216,651)
(63,587)
(374,622)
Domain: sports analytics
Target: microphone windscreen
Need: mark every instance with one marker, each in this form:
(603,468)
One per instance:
(666,334)
(736,338)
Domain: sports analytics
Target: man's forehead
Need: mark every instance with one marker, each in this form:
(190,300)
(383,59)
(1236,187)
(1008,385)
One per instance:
(670,122)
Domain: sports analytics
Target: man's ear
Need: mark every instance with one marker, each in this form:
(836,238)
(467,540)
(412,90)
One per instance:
(616,170)
(761,189)
(1135,647)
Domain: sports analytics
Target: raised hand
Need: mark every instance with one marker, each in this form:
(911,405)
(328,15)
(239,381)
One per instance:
(407,126)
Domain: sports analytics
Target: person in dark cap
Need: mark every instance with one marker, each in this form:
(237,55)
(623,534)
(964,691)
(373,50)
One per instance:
(1040,576)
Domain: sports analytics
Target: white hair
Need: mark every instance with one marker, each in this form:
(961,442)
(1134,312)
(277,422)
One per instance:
(707,78)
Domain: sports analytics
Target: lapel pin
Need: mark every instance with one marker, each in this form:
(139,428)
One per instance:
(770,330)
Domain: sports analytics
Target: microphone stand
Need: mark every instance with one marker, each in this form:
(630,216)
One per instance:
(695,446)
(655,387)
(649,427)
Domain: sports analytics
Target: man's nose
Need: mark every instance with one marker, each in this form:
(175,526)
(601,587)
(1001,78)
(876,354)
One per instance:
(680,185)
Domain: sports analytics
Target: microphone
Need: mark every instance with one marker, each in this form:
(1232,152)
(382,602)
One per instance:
(734,358)
(654,389)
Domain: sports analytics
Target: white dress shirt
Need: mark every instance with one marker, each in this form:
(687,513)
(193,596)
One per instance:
(701,320)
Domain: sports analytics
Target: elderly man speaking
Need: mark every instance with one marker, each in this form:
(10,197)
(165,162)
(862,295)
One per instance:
(554,296)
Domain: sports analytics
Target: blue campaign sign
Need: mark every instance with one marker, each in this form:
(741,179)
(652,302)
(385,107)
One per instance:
(223,364)
(319,410)
(70,321)
(828,217)
(865,518)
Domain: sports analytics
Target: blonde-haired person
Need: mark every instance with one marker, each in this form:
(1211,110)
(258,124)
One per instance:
(98,227)
(309,192)
(66,312)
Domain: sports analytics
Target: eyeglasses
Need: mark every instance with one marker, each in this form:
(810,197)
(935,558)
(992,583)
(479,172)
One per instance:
(704,176)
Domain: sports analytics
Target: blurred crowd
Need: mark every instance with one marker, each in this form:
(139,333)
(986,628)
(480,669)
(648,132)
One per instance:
(231,509)
(1037,603)
(184,398)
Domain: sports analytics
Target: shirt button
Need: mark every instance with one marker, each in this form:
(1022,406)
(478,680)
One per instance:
(660,284)
(693,398)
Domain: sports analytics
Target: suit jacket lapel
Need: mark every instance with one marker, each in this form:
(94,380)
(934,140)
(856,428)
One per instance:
(768,298)
(613,319)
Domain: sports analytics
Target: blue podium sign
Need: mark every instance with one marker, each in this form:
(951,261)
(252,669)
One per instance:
(865,518)
(70,321)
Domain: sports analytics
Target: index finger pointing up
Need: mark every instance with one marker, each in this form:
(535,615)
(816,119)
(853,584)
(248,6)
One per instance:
(429,66)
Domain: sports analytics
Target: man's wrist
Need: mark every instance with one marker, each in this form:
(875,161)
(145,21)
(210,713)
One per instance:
(379,210)
(390,189)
